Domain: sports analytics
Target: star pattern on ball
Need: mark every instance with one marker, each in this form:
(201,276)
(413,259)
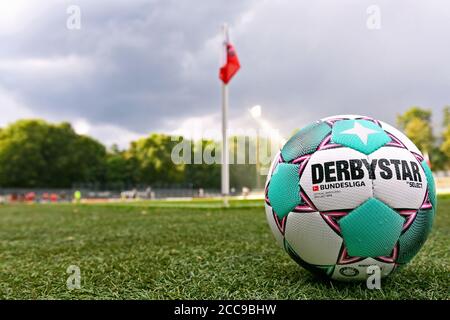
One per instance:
(361,132)
(362,135)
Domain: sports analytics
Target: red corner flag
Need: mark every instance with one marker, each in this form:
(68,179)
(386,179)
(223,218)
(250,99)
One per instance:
(231,66)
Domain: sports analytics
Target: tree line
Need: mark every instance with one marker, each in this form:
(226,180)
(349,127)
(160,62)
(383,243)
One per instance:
(38,154)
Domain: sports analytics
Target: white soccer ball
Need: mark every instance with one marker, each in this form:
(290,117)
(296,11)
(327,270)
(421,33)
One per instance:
(347,193)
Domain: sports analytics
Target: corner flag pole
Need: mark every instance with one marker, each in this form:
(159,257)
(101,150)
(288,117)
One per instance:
(225,154)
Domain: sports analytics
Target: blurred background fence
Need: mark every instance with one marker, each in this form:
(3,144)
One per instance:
(87,194)
(43,195)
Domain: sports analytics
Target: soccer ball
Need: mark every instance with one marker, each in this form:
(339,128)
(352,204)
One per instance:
(348,196)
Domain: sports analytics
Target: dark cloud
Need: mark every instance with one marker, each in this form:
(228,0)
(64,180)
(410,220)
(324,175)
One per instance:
(146,65)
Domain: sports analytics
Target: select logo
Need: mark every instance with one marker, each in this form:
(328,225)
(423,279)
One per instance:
(315,188)
(349,272)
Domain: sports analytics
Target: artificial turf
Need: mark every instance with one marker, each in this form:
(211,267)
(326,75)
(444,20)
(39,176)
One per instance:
(148,251)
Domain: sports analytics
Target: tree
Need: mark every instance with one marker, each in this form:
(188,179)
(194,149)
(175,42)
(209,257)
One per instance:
(118,173)
(413,113)
(419,131)
(152,157)
(438,158)
(446,116)
(445,147)
(416,124)
(34,153)
(203,175)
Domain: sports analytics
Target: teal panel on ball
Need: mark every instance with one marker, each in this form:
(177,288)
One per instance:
(284,189)
(371,230)
(413,239)
(361,135)
(305,141)
(431,185)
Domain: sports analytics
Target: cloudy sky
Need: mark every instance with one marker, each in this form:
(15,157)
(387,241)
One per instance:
(140,66)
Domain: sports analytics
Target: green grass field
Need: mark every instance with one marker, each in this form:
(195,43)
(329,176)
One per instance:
(159,250)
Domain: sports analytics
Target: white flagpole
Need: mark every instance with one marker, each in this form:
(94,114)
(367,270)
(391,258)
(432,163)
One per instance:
(225,154)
